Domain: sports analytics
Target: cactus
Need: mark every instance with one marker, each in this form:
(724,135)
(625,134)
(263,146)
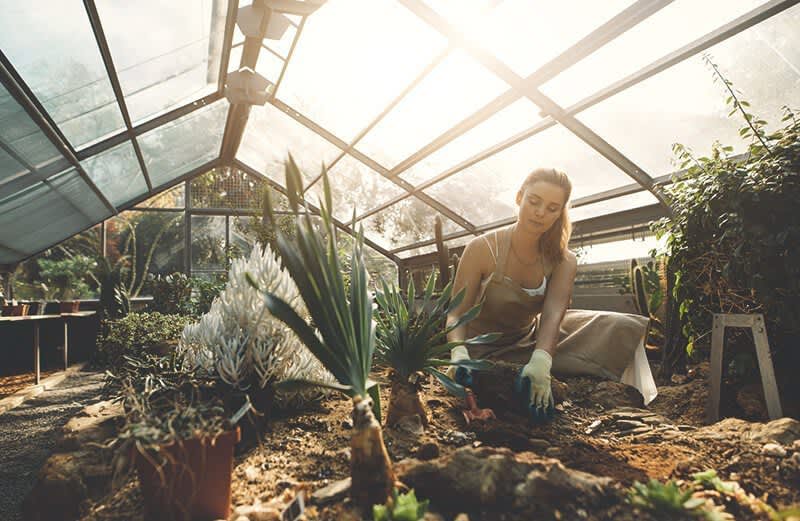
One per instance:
(639,291)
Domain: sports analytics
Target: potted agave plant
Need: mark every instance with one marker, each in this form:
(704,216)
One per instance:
(344,338)
(412,338)
(179,436)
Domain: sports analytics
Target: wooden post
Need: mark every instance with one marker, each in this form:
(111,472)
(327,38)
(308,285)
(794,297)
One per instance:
(36,368)
(66,343)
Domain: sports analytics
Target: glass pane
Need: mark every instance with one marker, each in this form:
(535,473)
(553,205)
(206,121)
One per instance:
(154,241)
(235,60)
(43,215)
(242,235)
(61,63)
(269,66)
(617,204)
(354,186)
(691,107)
(525,35)
(208,242)
(117,174)
(172,198)
(10,168)
(226,188)
(646,42)
(166,53)
(454,90)
(19,133)
(175,148)
(271,135)
(486,191)
(404,223)
(366,43)
(513,119)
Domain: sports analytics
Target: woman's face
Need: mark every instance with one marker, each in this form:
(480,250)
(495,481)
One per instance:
(540,205)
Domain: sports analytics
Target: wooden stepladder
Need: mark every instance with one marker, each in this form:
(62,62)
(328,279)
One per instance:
(756,324)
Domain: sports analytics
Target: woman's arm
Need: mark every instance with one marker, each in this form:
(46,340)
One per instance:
(470,271)
(559,292)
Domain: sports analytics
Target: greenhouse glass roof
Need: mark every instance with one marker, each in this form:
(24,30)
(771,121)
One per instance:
(418,108)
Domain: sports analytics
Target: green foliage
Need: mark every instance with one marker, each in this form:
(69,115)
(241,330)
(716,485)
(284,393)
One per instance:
(666,498)
(411,336)
(403,507)
(171,293)
(346,341)
(734,232)
(135,333)
(204,291)
(66,278)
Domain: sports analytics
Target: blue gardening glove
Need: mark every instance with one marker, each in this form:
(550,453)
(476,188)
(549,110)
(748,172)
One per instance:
(461,375)
(533,386)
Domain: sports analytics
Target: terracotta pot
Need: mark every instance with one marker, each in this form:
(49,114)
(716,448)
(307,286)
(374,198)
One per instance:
(17,310)
(69,306)
(194,482)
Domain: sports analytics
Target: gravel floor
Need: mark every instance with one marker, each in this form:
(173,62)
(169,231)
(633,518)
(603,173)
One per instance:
(29,431)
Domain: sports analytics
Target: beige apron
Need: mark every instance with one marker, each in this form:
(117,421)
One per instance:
(600,343)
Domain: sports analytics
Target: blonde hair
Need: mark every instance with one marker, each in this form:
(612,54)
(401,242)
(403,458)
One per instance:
(553,243)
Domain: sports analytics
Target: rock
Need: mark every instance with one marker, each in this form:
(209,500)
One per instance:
(65,481)
(331,493)
(432,516)
(679,379)
(252,474)
(457,437)
(258,512)
(95,424)
(629,424)
(782,430)
(461,517)
(796,445)
(552,452)
(538,444)
(410,425)
(774,450)
(615,394)
(427,451)
(494,478)
(593,426)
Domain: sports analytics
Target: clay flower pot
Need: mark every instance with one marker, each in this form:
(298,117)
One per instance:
(69,306)
(15,310)
(194,482)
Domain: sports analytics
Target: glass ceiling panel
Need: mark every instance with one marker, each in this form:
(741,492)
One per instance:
(648,41)
(404,223)
(513,119)
(617,204)
(455,89)
(525,34)
(10,168)
(19,133)
(271,135)
(117,174)
(175,148)
(496,180)
(268,65)
(42,216)
(166,53)
(354,185)
(61,63)
(691,108)
(352,59)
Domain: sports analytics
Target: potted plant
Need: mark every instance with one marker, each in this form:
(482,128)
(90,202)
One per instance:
(64,280)
(13,308)
(344,336)
(412,338)
(180,436)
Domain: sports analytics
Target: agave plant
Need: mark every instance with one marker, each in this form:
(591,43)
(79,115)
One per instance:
(344,335)
(412,338)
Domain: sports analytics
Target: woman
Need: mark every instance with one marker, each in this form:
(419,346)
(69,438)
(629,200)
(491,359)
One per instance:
(524,276)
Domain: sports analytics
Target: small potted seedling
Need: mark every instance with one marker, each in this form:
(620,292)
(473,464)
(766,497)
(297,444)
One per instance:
(180,437)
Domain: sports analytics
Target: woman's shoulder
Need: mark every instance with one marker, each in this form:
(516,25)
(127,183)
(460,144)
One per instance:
(568,263)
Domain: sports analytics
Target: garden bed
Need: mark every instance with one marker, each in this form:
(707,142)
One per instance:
(310,450)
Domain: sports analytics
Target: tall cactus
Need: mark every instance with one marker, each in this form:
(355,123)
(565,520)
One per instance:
(639,291)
